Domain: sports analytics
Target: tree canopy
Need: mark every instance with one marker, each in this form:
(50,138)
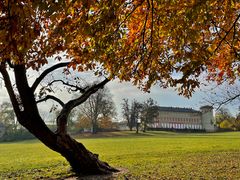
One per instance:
(143,41)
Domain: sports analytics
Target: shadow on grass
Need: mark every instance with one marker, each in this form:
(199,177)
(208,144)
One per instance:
(117,175)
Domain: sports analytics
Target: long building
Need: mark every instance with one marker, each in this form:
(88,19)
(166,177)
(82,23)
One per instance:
(184,119)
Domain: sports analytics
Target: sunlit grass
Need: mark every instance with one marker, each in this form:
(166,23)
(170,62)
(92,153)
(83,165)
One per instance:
(153,155)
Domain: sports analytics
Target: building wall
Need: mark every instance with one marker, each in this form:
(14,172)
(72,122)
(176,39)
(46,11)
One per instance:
(180,118)
(208,119)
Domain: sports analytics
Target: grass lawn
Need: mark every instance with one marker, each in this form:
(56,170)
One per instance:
(152,155)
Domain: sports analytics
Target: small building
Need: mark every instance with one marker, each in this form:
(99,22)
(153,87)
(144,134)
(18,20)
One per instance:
(176,118)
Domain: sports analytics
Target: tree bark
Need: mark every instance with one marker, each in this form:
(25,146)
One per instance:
(81,160)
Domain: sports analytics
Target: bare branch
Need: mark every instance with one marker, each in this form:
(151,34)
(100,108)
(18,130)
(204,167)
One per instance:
(51,97)
(88,92)
(62,118)
(222,95)
(226,101)
(46,72)
(73,87)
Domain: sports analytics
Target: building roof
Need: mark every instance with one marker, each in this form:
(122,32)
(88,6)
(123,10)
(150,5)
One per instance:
(206,107)
(177,109)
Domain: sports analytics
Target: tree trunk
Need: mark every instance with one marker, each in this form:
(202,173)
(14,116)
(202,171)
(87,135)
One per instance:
(82,161)
(94,125)
(144,126)
(137,128)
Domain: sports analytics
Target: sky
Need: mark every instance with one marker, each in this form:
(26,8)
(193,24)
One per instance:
(164,97)
(120,90)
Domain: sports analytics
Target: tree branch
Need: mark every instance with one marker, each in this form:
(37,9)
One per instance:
(76,88)
(46,72)
(51,97)
(227,33)
(227,101)
(63,116)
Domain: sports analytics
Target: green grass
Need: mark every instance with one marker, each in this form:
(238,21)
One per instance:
(153,155)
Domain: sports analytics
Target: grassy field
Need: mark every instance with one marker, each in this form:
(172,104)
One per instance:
(153,155)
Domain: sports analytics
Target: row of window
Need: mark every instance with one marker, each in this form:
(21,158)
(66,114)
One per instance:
(176,126)
(176,120)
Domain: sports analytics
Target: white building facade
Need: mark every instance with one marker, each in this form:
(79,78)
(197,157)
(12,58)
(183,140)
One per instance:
(184,119)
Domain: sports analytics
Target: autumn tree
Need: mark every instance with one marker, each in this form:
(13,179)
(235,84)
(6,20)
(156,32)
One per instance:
(225,120)
(7,118)
(98,105)
(84,123)
(223,114)
(105,123)
(143,41)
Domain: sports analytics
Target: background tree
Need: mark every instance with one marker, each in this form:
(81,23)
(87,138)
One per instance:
(12,131)
(226,124)
(7,118)
(105,122)
(136,109)
(223,94)
(237,122)
(222,114)
(98,105)
(126,112)
(224,119)
(131,113)
(142,41)
(149,112)
(84,123)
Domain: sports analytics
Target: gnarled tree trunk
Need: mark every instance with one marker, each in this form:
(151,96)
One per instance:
(81,160)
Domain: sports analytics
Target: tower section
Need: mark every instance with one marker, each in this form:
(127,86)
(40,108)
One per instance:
(208,119)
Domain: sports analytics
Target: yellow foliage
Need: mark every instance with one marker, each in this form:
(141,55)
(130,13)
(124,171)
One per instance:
(226,124)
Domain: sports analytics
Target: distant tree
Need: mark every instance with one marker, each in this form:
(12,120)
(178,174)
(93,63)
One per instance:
(149,112)
(225,120)
(126,112)
(226,124)
(136,109)
(223,94)
(237,122)
(7,118)
(84,123)
(105,122)
(131,113)
(99,104)
(222,114)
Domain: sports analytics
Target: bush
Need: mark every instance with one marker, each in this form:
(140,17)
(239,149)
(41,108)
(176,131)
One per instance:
(20,134)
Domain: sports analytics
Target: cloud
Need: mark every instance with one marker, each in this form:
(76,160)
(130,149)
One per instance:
(163,97)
